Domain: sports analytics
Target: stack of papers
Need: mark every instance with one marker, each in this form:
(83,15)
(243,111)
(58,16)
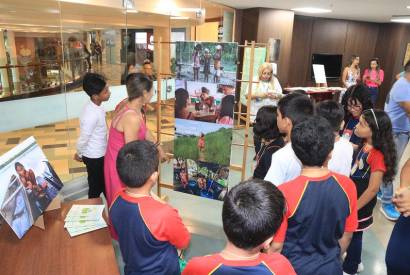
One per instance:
(84,218)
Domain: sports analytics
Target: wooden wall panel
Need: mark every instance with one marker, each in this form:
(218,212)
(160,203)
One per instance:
(250,24)
(361,40)
(329,36)
(391,45)
(299,72)
(278,24)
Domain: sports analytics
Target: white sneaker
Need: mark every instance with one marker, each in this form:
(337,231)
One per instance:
(360,268)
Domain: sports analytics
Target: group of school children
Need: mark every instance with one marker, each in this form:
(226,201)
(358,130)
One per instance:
(304,210)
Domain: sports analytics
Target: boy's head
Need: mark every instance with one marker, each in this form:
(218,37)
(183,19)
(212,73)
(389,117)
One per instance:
(252,213)
(96,87)
(313,140)
(137,163)
(292,109)
(333,112)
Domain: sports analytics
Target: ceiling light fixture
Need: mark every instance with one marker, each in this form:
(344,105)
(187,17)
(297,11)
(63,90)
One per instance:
(408,7)
(311,10)
(179,17)
(188,9)
(400,19)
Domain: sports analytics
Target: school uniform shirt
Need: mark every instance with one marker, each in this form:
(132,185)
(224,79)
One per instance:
(264,157)
(342,157)
(216,264)
(367,161)
(149,234)
(285,166)
(319,211)
(348,131)
(92,142)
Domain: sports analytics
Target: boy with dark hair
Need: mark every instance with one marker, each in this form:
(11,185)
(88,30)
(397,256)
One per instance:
(149,230)
(252,213)
(92,143)
(321,213)
(342,155)
(291,110)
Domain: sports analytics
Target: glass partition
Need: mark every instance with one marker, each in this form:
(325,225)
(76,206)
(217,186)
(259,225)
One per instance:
(46,48)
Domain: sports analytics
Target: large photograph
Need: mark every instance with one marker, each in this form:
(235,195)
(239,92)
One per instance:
(207,62)
(28,184)
(207,142)
(203,179)
(201,101)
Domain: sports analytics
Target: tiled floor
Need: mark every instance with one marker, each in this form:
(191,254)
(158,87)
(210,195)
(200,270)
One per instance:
(58,143)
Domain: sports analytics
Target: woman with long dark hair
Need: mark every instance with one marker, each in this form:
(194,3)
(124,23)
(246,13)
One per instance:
(374,163)
(351,73)
(373,77)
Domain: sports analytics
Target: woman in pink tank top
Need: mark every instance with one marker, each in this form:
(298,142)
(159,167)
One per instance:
(128,124)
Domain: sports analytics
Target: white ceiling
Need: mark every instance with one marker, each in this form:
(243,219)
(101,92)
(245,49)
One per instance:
(362,10)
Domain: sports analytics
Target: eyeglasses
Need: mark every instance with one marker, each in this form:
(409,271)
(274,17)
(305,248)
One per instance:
(356,107)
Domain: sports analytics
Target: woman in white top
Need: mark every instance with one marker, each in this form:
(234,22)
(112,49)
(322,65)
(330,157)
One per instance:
(266,92)
(351,73)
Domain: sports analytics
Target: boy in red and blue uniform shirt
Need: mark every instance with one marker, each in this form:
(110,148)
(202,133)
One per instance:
(252,212)
(321,206)
(149,230)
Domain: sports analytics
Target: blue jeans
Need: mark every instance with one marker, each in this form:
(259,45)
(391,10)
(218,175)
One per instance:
(374,92)
(353,254)
(400,140)
(398,253)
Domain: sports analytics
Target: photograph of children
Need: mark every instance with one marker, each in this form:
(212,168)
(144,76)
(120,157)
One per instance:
(207,62)
(28,184)
(203,101)
(204,179)
(202,141)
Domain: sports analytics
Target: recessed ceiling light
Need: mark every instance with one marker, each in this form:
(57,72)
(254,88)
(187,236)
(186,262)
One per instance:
(179,17)
(400,19)
(311,10)
(189,9)
(408,7)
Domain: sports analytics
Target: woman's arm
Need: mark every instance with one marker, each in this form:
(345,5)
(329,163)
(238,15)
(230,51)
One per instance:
(402,196)
(131,126)
(344,77)
(371,191)
(162,155)
(380,78)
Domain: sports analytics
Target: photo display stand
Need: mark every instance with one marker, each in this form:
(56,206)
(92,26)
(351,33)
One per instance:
(245,117)
(239,116)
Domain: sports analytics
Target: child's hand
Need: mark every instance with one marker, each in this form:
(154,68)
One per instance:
(402,201)
(77,158)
